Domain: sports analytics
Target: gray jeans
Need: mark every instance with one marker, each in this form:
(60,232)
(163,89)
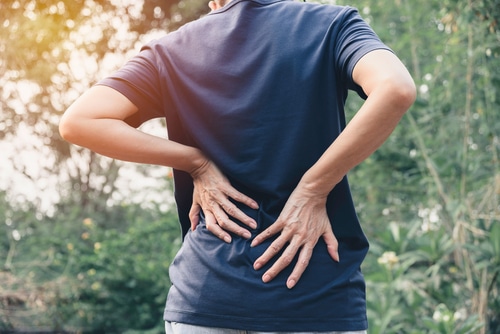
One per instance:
(178,328)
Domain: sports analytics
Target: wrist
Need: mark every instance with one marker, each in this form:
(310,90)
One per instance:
(197,162)
(319,186)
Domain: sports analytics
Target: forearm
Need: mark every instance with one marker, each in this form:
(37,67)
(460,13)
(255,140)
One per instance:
(364,134)
(96,121)
(391,92)
(116,139)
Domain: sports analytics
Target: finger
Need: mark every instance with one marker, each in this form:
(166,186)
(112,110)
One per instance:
(225,223)
(332,245)
(233,211)
(194,215)
(267,233)
(302,263)
(215,229)
(222,199)
(281,263)
(271,251)
(242,198)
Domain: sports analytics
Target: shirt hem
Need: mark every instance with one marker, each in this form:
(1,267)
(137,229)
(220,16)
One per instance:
(267,324)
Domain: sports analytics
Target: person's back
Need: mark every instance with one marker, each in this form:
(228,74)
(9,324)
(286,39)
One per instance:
(260,82)
(258,87)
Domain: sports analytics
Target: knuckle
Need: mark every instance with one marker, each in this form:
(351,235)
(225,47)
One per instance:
(275,248)
(230,210)
(286,259)
(272,272)
(238,197)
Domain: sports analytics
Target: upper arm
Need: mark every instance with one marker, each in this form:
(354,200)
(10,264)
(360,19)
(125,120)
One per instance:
(381,67)
(99,102)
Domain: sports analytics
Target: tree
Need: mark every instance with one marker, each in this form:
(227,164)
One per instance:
(51,52)
(428,199)
(433,187)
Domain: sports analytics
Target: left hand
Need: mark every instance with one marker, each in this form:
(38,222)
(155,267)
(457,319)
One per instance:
(212,193)
(301,223)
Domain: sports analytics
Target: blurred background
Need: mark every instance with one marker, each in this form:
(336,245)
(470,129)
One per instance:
(86,241)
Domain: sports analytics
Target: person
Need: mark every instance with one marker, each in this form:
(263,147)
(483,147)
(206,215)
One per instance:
(253,94)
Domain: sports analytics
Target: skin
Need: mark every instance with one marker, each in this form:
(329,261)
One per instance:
(303,221)
(217,4)
(96,121)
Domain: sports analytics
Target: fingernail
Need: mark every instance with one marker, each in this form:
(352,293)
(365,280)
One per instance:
(246,234)
(257,265)
(290,284)
(227,239)
(266,278)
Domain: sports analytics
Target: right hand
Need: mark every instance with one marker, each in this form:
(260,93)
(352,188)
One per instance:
(212,193)
(301,223)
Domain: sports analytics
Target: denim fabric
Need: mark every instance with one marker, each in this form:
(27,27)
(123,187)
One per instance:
(178,328)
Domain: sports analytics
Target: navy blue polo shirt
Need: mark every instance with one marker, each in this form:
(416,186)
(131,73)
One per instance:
(259,86)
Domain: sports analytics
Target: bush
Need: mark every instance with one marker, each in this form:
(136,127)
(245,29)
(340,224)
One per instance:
(90,278)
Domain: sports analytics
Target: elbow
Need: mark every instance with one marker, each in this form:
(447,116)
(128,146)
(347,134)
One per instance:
(64,131)
(403,93)
(67,128)
(407,93)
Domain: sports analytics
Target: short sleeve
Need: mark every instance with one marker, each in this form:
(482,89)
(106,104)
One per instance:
(355,39)
(138,80)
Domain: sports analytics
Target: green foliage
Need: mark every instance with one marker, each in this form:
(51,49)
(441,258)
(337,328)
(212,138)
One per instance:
(122,276)
(428,199)
(51,51)
(88,277)
(57,272)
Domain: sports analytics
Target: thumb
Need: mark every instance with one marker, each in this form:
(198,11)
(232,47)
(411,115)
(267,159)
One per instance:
(332,245)
(194,215)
